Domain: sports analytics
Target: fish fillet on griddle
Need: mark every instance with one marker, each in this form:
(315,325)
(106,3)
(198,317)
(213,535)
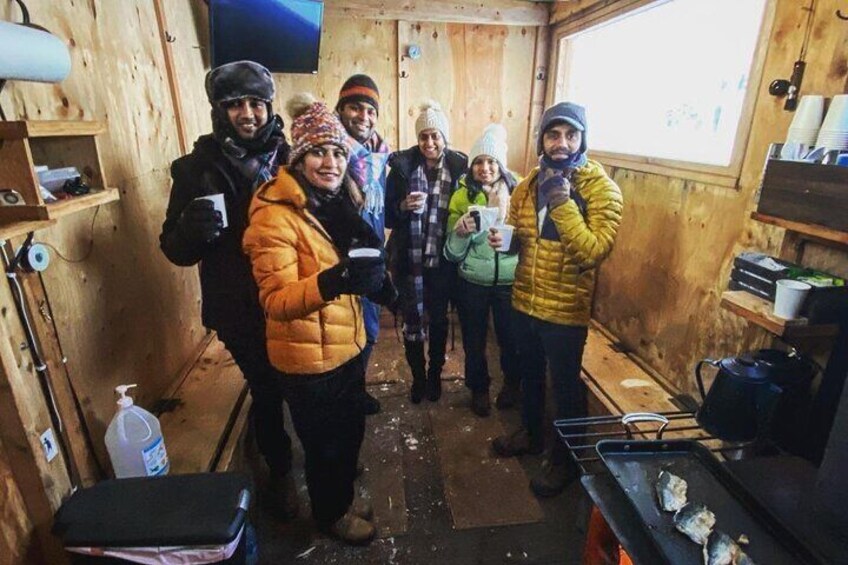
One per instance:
(696,521)
(720,549)
(671,491)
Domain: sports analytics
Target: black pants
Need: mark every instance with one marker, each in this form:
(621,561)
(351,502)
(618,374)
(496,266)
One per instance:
(475,302)
(543,345)
(249,350)
(328,418)
(439,290)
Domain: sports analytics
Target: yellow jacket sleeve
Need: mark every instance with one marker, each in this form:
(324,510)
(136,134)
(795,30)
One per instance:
(270,242)
(590,239)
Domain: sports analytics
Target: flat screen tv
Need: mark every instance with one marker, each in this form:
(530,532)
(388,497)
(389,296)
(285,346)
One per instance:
(283,35)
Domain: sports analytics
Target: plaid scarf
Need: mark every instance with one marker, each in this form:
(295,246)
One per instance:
(426,241)
(367,167)
(258,169)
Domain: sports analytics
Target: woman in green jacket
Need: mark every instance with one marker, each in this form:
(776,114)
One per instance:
(486,276)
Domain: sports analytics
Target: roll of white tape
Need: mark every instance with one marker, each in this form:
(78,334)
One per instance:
(31,54)
(37,257)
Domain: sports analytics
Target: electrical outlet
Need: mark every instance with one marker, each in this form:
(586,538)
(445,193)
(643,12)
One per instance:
(48,444)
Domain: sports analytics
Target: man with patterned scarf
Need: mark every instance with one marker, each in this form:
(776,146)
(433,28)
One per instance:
(418,191)
(565,215)
(359,108)
(246,147)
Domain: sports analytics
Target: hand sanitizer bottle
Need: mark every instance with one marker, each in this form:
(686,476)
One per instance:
(134,440)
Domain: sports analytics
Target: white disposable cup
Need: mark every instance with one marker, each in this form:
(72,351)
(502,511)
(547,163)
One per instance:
(789,298)
(505,232)
(836,119)
(363,252)
(220,205)
(809,113)
(418,195)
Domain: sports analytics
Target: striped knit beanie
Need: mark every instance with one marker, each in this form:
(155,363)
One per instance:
(313,125)
(432,117)
(359,88)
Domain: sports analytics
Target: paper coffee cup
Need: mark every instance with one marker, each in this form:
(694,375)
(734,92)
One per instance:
(419,195)
(506,236)
(220,205)
(789,298)
(362,252)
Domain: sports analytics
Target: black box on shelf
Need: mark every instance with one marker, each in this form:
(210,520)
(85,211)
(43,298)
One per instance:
(757,274)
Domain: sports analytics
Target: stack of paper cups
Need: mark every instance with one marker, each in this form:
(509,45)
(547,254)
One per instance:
(807,121)
(834,130)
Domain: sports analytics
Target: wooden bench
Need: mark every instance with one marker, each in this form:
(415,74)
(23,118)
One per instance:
(619,384)
(205,414)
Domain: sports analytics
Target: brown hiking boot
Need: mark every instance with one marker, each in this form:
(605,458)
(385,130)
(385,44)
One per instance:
(352,529)
(362,508)
(480,403)
(281,497)
(515,444)
(553,478)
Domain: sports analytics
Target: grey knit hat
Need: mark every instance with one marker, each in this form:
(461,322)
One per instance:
(564,112)
(432,117)
(491,143)
(237,80)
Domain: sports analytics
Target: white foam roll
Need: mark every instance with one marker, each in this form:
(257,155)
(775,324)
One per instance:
(31,54)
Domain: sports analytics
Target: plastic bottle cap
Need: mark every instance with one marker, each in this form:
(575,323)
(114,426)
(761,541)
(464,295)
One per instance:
(125,401)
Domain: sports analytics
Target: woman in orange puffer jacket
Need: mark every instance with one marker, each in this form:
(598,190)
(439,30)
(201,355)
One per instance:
(303,225)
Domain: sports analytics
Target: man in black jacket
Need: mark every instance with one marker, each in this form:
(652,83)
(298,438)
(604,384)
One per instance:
(418,191)
(245,149)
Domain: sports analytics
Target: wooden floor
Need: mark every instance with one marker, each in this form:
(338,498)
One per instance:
(439,495)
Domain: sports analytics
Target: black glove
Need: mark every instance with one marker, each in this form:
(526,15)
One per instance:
(360,276)
(200,222)
(387,295)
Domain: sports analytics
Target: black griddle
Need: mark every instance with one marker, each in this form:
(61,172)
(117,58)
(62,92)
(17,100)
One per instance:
(635,466)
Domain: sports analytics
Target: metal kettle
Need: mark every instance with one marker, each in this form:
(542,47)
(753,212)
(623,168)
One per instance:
(747,391)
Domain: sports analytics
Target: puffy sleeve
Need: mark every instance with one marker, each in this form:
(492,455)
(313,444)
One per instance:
(590,239)
(271,243)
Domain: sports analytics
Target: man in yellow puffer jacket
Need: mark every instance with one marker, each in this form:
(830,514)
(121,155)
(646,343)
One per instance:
(566,214)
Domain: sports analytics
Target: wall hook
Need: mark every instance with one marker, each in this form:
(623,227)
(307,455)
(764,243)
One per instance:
(840,15)
(169,38)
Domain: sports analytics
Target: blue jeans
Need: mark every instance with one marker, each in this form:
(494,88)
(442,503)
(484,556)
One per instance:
(371,311)
(544,345)
(371,316)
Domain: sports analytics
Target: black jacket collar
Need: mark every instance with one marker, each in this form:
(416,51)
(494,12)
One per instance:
(410,159)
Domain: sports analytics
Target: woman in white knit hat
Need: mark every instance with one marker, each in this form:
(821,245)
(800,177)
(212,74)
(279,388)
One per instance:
(418,191)
(485,275)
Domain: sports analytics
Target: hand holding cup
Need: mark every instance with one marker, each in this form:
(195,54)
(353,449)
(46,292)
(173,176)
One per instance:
(414,202)
(465,226)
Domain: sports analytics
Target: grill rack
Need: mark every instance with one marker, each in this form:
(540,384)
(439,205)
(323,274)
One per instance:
(581,435)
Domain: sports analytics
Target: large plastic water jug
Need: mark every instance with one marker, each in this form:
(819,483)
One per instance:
(134,440)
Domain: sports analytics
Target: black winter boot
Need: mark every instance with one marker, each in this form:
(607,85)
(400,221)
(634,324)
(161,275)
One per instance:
(434,384)
(415,358)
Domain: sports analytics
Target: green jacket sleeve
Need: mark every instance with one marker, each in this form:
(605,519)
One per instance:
(590,239)
(456,247)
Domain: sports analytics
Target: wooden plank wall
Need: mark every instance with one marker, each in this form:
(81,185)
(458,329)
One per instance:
(659,291)
(123,313)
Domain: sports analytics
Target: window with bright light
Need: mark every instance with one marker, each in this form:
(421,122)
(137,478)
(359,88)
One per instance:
(668,81)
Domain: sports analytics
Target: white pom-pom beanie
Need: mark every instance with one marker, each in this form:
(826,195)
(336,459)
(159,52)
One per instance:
(432,117)
(491,143)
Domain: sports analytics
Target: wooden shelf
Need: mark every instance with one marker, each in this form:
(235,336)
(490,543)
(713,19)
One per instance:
(76,204)
(811,230)
(50,128)
(759,311)
(16,229)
